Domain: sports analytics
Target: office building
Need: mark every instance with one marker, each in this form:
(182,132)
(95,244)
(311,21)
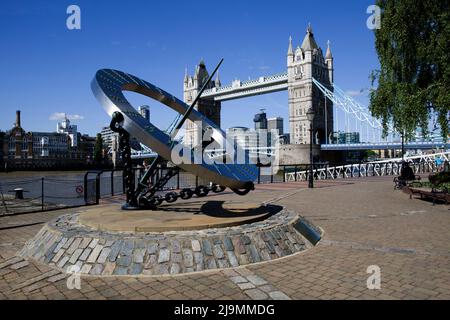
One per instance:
(145,112)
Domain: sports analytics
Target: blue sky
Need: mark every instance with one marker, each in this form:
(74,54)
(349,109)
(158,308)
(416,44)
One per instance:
(47,69)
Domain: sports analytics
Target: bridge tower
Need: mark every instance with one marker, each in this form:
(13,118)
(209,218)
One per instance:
(306,62)
(209,107)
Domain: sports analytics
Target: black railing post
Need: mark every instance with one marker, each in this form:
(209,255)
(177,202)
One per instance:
(42,194)
(295,173)
(196,181)
(112,182)
(178,179)
(259,175)
(351,168)
(284,173)
(85,188)
(97,188)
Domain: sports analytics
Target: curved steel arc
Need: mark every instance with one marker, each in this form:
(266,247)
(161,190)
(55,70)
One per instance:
(107,87)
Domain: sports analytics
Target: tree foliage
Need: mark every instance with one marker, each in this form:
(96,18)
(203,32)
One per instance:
(413,47)
(98,148)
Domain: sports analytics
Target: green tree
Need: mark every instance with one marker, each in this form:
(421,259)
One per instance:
(370,154)
(413,47)
(98,149)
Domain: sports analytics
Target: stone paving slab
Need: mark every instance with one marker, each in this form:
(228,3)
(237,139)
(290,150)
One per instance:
(407,239)
(64,242)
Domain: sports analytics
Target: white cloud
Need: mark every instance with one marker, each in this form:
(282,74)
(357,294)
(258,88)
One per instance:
(75,117)
(354,93)
(61,115)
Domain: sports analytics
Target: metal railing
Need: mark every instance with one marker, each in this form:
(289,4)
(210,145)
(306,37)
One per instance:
(50,193)
(44,194)
(362,170)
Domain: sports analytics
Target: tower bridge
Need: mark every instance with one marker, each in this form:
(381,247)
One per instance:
(305,62)
(309,81)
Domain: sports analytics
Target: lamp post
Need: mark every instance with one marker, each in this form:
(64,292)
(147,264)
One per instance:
(403,146)
(310,116)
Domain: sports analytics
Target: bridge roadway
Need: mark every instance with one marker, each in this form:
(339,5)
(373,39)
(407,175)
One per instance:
(340,147)
(241,89)
(385,146)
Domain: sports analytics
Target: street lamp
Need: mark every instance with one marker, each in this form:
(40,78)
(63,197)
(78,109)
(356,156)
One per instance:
(310,116)
(403,146)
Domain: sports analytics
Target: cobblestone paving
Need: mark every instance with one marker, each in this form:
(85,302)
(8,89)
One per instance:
(365,223)
(64,242)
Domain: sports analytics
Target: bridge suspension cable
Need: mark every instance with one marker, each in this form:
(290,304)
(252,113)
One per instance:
(350,107)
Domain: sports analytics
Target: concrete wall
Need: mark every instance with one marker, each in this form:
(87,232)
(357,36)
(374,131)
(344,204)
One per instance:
(293,154)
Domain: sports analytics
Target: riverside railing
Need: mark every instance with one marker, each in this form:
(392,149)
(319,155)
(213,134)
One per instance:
(44,193)
(363,170)
(56,192)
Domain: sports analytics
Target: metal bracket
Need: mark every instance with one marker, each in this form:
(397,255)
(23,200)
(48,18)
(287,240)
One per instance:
(125,149)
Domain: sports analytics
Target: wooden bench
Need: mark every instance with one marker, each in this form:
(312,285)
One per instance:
(430,193)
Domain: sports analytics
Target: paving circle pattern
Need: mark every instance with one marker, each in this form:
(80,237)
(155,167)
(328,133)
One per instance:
(65,241)
(196,215)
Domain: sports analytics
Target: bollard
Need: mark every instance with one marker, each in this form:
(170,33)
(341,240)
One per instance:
(18,193)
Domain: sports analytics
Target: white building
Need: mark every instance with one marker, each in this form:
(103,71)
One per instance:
(243,136)
(69,129)
(110,139)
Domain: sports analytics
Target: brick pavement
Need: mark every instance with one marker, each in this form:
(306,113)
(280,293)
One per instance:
(365,223)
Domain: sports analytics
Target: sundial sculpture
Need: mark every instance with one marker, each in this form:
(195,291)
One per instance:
(108,85)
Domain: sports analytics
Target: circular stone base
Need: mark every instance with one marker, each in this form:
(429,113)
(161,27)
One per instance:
(176,217)
(69,240)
